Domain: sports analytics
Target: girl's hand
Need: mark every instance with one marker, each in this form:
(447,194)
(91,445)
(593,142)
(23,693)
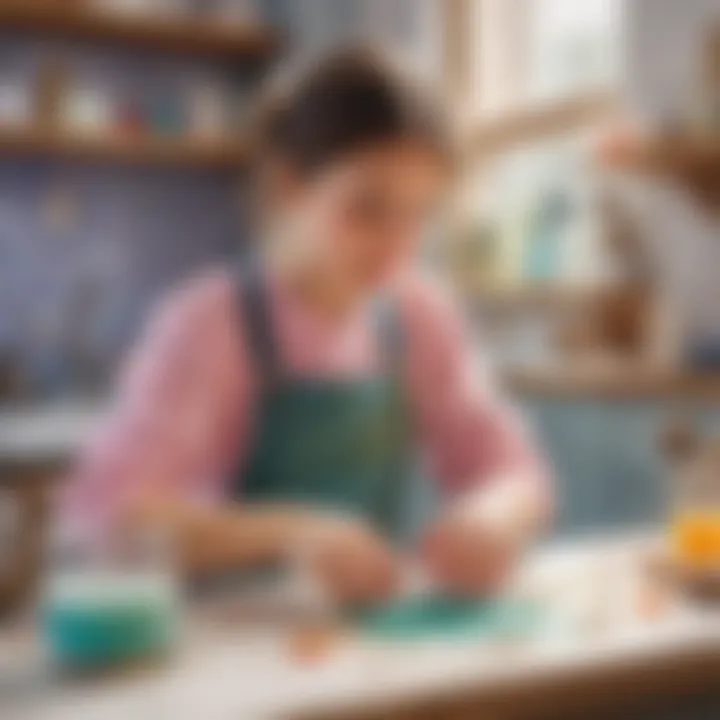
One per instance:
(351,561)
(477,543)
(467,555)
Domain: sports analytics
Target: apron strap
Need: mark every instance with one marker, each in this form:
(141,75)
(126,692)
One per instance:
(254,312)
(390,335)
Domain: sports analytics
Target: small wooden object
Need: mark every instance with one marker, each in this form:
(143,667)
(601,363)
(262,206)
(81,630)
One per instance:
(698,582)
(313,644)
(20,556)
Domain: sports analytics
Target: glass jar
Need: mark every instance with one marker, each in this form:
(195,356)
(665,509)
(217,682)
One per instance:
(109,598)
(696,514)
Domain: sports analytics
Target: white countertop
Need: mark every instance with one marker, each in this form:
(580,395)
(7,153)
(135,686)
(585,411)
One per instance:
(45,432)
(228,672)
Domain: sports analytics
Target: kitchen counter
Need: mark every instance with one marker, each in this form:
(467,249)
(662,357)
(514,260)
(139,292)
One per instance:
(620,650)
(45,433)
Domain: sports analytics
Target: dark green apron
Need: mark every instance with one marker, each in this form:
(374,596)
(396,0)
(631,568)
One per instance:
(340,444)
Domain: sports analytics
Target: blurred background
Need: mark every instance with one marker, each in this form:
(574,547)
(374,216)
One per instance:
(582,237)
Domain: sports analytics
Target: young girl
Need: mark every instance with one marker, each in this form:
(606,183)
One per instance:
(279,410)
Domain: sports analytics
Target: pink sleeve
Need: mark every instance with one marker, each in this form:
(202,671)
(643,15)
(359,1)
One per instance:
(470,432)
(180,412)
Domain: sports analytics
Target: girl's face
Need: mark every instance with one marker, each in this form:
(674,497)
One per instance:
(362,218)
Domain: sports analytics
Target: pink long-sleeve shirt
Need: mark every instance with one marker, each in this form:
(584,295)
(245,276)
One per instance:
(183,417)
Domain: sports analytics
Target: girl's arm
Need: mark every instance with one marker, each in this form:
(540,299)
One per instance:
(178,426)
(473,435)
(213,538)
(348,558)
(493,477)
(182,409)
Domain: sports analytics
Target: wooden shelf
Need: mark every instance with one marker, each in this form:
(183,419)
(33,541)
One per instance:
(130,151)
(636,381)
(537,295)
(691,158)
(227,42)
(690,162)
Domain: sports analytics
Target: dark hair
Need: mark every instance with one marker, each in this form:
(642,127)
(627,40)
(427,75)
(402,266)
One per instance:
(348,101)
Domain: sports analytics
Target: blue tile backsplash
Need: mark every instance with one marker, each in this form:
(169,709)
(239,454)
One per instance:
(73,293)
(83,291)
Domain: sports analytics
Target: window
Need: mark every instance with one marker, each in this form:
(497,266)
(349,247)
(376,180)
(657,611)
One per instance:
(543,73)
(573,47)
(525,51)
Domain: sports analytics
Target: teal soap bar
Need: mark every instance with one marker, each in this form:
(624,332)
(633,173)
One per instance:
(433,617)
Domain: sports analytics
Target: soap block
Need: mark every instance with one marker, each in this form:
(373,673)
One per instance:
(432,617)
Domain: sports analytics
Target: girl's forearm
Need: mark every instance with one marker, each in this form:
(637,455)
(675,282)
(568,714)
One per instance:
(219,538)
(211,539)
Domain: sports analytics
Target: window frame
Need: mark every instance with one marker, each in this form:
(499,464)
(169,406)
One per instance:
(485,130)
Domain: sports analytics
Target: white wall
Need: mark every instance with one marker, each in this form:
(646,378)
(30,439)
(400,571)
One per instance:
(410,28)
(664,44)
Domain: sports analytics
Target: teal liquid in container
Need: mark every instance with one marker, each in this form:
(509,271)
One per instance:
(97,619)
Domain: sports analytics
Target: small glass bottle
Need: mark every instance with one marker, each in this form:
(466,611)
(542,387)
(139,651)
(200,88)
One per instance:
(696,507)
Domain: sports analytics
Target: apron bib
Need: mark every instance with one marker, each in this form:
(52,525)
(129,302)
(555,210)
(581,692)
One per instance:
(347,445)
(340,444)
